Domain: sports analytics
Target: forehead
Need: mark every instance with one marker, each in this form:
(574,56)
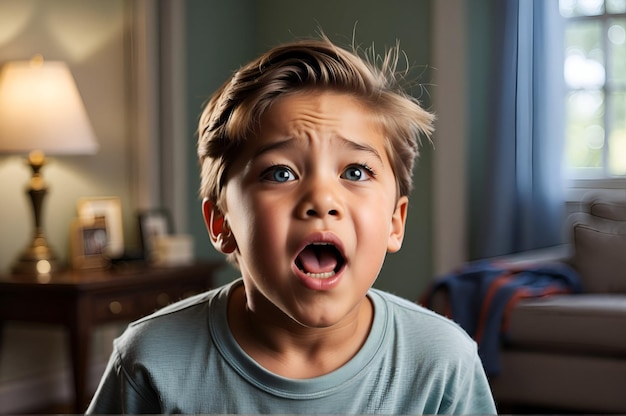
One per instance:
(320,114)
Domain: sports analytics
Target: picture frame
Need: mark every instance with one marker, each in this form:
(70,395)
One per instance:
(88,243)
(91,208)
(153,223)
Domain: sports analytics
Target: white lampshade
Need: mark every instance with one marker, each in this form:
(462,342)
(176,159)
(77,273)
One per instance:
(41,109)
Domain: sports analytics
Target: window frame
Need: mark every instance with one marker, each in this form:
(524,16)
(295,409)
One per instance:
(581,181)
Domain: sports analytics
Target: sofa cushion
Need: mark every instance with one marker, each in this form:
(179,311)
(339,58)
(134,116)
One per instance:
(599,251)
(588,323)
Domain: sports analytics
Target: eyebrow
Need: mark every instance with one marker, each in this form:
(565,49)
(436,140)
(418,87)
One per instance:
(282,144)
(272,146)
(362,148)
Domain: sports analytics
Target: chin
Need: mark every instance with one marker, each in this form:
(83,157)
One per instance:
(327,317)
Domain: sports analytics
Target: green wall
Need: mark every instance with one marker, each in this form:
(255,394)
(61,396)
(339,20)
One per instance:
(480,23)
(225,34)
(220,37)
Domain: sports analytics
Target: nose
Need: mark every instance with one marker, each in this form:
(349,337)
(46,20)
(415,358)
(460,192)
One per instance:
(320,199)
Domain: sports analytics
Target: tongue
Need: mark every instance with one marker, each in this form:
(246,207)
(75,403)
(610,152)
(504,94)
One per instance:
(318,259)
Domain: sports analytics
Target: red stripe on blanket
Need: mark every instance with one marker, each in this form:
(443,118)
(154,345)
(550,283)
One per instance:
(495,285)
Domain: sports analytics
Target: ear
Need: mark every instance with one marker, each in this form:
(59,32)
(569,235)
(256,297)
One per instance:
(398,222)
(221,236)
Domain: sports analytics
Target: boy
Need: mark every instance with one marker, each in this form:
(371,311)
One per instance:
(306,157)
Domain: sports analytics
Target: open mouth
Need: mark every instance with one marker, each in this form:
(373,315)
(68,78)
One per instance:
(320,260)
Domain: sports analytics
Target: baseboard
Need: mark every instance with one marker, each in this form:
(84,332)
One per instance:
(41,390)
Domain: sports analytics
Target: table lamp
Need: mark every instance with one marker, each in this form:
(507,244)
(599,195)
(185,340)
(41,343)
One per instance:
(41,113)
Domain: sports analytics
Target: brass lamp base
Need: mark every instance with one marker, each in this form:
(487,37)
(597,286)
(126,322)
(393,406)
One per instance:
(38,258)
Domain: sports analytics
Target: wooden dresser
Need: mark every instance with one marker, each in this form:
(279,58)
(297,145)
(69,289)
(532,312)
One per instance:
(81,300)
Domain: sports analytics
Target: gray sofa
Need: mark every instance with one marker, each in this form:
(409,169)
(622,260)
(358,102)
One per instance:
(567,352)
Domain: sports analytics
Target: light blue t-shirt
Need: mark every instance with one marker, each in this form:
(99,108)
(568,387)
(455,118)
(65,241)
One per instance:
(184,359)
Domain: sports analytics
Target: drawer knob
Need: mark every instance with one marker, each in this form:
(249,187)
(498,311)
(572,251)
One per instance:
(115,307)
(163,299)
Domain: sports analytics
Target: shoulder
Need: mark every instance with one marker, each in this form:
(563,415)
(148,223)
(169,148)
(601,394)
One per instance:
(424,330)
(176,327)
(404,309)
(438,357)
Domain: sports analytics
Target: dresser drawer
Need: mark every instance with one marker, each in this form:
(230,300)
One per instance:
(158,299)
(135,306)
(118,307)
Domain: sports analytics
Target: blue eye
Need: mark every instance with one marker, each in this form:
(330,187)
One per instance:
(357,173)
(278,174)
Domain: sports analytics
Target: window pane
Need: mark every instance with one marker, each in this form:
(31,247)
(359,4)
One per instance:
(584,58)
(570,8)
(617,51)
(617,135)
(584,128)
(616,6)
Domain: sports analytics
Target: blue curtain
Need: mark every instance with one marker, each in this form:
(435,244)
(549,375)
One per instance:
(522,203)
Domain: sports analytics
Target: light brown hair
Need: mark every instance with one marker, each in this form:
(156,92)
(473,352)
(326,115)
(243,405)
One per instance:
(232,114)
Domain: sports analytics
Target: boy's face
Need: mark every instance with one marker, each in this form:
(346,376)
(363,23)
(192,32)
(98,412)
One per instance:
(311,202)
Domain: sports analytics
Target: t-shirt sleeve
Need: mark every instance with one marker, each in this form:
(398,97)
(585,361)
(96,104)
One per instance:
(119,393)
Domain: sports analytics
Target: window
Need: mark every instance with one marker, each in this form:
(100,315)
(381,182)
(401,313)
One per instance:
(595,82)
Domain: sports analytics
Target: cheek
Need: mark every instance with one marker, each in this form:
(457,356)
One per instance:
(257,226)
(371,223)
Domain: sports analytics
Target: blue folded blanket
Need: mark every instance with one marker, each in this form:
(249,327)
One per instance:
(482,293)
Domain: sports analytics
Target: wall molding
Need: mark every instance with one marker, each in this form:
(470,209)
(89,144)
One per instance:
(450,137)
(143,101)
(158,136)
(175,137)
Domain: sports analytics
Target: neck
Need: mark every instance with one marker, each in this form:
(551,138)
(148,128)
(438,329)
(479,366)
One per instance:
(285,347)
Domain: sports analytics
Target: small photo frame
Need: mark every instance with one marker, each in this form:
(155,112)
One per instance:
(88,243)
(111,209)
(153,223)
